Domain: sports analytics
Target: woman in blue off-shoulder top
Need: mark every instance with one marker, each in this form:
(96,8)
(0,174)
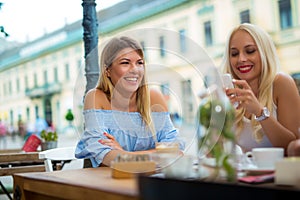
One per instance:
(122,115)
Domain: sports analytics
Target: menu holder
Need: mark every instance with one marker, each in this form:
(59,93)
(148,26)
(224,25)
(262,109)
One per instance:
(129,166)
(167,147)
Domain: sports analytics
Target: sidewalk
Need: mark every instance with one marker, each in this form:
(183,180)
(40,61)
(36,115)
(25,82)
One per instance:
(71,137)
(64,140)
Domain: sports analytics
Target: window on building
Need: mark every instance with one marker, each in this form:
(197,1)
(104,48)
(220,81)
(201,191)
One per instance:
(55,74)
(18,84)
(10,87)
(245,16)
(26,82)
(182,39)
(296,78)
(36,108)
(285,14)
(4,89)
(162,46)
(45,77)
(208,33)
(67,71)
(35,80)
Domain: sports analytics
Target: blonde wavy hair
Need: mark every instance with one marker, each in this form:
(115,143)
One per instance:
(270,67)
(109,53)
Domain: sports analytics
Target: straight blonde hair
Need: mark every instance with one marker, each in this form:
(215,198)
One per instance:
(109,53)
(270,67)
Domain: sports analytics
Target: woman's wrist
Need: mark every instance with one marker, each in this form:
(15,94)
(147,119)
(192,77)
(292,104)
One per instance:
(258,112)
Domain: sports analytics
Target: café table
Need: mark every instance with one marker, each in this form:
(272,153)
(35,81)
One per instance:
(97,183)
(86,183)
(16,161)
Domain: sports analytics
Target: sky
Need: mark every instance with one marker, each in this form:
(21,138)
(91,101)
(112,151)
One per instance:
(26,20)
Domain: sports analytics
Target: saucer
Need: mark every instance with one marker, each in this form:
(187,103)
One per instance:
(249,169)
(253,170)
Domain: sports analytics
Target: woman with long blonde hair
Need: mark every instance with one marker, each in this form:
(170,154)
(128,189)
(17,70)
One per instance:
(269,104)
(122,115)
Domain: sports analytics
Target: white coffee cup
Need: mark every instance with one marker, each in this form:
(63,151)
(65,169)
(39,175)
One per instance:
(287,172)
(182,167)
(266,157)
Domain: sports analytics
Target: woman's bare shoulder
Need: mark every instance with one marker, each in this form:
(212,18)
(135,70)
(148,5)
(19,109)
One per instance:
(95,99)
(157,101)
(284,86)
(283,80)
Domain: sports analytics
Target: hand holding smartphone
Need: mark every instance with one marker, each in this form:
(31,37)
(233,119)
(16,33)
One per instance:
(227,82)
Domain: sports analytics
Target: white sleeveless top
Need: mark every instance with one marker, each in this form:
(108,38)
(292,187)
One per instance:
(246,139)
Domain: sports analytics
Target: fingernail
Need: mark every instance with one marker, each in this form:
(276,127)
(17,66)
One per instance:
(100,141)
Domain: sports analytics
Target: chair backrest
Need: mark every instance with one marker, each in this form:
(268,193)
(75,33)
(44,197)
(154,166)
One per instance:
(19,162)
(62,158)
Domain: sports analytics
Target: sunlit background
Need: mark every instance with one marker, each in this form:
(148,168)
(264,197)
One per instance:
(42,69)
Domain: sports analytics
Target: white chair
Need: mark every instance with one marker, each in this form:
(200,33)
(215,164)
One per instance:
(64,155)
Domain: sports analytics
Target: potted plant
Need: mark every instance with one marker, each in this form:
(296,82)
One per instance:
(216,139)
(49,139)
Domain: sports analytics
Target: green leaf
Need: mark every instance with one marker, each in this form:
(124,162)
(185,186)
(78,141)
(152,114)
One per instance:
(229,169)
(49,136)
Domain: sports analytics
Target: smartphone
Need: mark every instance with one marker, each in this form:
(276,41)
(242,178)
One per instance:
(227,82)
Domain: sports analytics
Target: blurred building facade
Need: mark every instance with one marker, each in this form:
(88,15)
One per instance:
(45,77)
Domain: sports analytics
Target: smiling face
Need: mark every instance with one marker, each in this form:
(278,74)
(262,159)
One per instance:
(127,71)
(245,59)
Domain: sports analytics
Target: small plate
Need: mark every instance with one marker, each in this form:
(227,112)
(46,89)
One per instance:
(249,169)
(257,171)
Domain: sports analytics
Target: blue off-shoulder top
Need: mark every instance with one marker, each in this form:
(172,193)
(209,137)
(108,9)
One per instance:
(127,128)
